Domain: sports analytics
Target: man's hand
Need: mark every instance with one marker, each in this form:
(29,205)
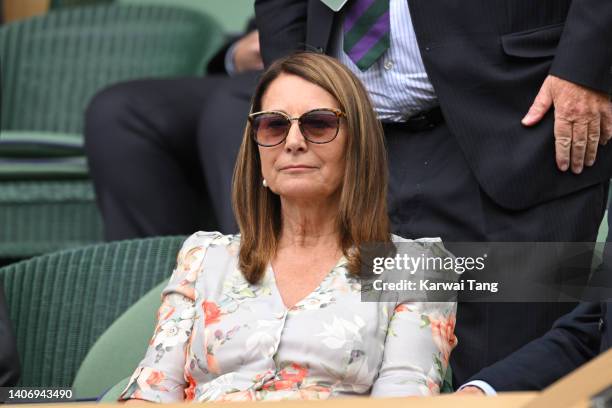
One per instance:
(246,54)
(583,119)
(471,390)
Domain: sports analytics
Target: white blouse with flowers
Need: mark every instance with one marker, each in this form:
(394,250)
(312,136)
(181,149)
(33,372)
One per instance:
(219,338)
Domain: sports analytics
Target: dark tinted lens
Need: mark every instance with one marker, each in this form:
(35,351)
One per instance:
(270,128)
(320,126)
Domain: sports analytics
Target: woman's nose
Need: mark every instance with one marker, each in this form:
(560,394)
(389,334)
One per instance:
(295,139)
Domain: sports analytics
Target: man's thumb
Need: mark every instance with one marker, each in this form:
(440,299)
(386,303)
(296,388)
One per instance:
(540,106)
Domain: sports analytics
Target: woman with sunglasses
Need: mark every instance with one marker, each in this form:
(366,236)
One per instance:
(276,312)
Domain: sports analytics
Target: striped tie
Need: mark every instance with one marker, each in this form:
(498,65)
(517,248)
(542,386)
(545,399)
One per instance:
(366,31)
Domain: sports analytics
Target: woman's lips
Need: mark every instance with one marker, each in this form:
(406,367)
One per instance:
(297,168)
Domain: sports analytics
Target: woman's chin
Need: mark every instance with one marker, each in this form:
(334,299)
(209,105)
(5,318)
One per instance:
(302,192)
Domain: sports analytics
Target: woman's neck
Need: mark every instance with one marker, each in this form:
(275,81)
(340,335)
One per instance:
(309,224)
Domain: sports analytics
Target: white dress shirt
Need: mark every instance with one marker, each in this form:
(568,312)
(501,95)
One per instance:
(483,385)
(397,83)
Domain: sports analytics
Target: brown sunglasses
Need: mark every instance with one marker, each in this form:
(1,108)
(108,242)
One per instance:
(271,128)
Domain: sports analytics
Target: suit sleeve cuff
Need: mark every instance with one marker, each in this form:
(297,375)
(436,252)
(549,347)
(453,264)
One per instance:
(230,68)
(484,386)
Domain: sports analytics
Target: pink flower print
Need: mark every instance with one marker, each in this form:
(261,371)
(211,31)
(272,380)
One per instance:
(443,332)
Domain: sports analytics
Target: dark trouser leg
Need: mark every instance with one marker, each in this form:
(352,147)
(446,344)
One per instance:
(222,123)
(140,141)
(433,193)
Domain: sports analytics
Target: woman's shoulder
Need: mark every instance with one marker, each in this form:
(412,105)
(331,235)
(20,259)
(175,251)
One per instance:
(211,251)
(433,245)
(397,238)
(208,239)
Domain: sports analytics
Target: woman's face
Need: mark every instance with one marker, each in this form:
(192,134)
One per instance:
(296,168)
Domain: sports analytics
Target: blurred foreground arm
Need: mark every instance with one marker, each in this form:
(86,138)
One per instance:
(573,340)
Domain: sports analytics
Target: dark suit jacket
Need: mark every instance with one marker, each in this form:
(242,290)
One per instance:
(574,340)
(486,60)
(9,362)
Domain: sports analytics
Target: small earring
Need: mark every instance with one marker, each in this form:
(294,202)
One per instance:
(265,183)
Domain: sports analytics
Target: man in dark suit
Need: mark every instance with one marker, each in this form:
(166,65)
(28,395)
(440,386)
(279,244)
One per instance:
(502,137)
(161,152)
(9,361)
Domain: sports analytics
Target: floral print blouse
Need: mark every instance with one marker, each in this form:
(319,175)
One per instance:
(219,338)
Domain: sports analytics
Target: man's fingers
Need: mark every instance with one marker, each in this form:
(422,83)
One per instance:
(540,106)
(593,134)
(563,143)
(579,143)
(583,120)
(603,138)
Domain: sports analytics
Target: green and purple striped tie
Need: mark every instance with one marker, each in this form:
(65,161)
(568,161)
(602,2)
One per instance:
(366,31)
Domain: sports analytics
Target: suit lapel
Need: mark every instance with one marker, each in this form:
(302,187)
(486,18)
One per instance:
(319,26)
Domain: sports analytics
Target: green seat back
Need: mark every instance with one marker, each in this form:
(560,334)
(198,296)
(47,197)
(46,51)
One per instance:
(42,216)
(447,383)
(114,393)
(233,14)
(602,234)
(62,302)
(118,351)
(53,64)
(27,144)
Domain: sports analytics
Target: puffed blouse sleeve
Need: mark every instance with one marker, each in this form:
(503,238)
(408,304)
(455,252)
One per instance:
(160,376)
(419,341)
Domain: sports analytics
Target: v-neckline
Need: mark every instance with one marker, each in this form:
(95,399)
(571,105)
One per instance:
(329,273)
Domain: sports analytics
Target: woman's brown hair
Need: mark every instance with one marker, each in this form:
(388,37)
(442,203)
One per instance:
(362,213)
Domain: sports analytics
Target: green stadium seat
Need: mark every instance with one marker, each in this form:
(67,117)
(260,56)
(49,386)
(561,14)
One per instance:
(52,66)
(118,351)
(233,15)
(114,393)
(61,303)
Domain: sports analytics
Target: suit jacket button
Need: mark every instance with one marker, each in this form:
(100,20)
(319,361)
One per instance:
(602,324)
(320,50)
